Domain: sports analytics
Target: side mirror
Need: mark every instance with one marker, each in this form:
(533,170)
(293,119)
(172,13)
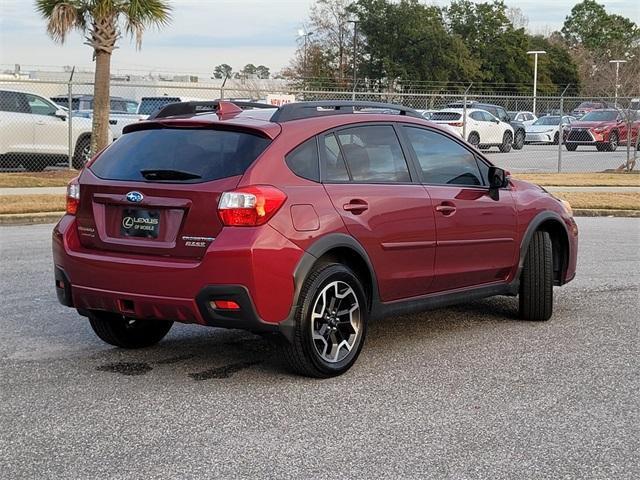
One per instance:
(62,114)
(498,178)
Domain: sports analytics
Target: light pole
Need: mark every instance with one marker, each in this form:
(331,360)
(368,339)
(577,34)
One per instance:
(617,62)
(535,74)
(306,35)
(355,52)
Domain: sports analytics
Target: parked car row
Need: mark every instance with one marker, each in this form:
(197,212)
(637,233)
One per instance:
(34,132)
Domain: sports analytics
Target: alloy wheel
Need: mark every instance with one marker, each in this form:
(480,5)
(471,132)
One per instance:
(336,322)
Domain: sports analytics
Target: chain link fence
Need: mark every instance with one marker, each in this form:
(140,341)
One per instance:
(38,130)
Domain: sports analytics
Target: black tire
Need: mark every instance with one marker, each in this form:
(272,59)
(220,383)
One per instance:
(124,332)
(556,138)
(612,145)
(474,139)
(602,147)
(536,280)
(518,141)
(302,353)
(35,165)
(572,147)
(82,153)
(505,147)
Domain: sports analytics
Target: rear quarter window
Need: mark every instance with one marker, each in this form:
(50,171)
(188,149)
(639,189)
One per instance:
(304,161)
(209,154)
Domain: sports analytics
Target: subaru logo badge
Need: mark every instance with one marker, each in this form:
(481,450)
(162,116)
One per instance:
(135,197)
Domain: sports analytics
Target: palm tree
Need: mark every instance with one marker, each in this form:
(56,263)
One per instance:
(101,22)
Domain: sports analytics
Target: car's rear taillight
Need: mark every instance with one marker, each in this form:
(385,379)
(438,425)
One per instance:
(250,206)
(73,196)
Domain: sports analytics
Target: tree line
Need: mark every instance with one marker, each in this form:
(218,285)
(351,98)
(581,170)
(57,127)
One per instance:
(409,45)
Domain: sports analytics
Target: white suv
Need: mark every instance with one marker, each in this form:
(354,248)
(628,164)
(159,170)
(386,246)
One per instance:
(34,132)
(483,129)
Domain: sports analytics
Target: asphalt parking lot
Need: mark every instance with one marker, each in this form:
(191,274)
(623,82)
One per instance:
(544,158)
(463,393)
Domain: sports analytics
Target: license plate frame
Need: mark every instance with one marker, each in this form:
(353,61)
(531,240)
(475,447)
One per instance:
(140,223)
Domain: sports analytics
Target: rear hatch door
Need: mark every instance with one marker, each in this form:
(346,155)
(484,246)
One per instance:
(155,191)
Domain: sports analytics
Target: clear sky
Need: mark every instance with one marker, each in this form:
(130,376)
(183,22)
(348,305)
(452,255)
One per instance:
(205,33)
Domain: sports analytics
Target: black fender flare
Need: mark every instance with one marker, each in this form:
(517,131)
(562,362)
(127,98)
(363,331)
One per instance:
(310,257)
(528,235)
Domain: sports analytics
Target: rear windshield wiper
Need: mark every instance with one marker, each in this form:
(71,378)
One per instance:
(161,174)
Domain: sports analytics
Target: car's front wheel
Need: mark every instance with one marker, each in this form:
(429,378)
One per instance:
(612,145)
(536,280)
(518,141)
(330,323)
(124,332)
(572,147)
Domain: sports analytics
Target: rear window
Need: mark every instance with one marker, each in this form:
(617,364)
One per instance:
(445,116)
(204,154)
(148,105)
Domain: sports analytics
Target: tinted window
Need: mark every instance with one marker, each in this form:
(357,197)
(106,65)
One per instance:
(38,106)
(600,116)
(373,154)
(303,161)
(335,169)
(442,160)
(445,116)
(14,102)
(477,116)
(487,117)
(131,107)
(148,105)
(210,154)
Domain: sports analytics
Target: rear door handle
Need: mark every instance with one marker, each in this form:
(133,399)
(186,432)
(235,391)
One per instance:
(356,206)
(446,209)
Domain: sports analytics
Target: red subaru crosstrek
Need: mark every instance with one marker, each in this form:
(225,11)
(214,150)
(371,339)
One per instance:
(304,221)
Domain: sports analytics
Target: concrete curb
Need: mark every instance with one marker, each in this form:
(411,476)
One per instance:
(52,217)
(596,212)
(29,218)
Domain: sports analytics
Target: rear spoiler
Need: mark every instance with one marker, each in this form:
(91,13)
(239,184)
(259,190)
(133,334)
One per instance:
(191,108)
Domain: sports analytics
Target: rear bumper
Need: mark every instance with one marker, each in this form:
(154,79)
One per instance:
(253,267)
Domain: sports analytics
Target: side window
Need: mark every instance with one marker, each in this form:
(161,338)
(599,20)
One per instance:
(443,161)
(477,116)
(303,160)
(487,117)
(335,168)
(13,102)
(39,106)
(373,154)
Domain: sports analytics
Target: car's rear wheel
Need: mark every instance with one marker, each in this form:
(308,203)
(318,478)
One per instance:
(612,145)
(536,280)
(82,153)
(474,139)
(124,332)
(330,323)
(518,141)
(505,147)
(572,147)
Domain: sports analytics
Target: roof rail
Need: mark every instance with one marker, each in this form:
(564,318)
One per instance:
(300,110)
(191,108)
